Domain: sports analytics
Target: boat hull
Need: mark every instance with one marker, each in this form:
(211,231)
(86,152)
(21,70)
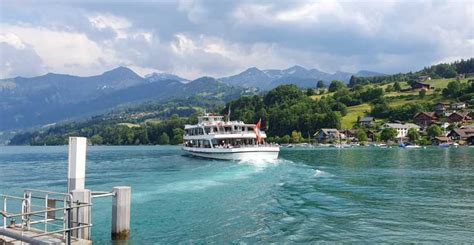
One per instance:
(251,153)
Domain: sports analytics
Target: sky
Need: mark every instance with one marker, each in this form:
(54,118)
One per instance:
(223,37)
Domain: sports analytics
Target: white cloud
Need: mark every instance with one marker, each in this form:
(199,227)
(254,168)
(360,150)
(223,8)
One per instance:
(61,51)
(12,39)
(194,38)
(362,17)
(183,45)
(102,21)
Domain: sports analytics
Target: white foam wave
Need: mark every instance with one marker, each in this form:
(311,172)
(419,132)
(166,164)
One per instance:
(320,173)
(262,163)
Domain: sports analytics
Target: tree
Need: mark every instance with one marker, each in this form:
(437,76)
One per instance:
(332,120)
(177,136)
(336,85)
(380,109)
(281,94)
(361,135)
(96,139)
(285,139)
(309,92)
(388,134)
(320,84)
(164,139)
(424,141)
(422,93)
(296,137)
(434,131)
(453,89)
(376,137)
(445,71)
(397,87)
(413,134)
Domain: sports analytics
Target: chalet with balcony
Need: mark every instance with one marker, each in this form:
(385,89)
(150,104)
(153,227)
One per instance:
(327,135)
(461,134)
(459,117)
(425,119)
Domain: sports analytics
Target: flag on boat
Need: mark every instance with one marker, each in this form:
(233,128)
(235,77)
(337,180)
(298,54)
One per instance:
(257,131)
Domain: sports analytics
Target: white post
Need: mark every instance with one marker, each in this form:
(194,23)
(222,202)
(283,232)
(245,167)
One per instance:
(81,216)
(77,163)
(121,212)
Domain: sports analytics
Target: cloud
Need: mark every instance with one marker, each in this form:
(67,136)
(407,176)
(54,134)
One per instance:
(19,60)
(197,37)
(68,52)
(12,40)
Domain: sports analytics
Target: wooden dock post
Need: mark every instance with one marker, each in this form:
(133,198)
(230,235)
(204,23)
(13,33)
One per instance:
(81,215)
(121,212)
(77,163)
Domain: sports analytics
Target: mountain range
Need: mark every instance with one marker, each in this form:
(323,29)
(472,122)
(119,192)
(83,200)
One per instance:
(35,101)
(28,102)
(300,76)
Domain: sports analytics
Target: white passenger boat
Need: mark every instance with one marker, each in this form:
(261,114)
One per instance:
(215,138)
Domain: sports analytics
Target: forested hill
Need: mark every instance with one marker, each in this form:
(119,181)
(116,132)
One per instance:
(445,70)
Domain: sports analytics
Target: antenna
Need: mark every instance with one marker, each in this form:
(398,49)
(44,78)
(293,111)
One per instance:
(228,115)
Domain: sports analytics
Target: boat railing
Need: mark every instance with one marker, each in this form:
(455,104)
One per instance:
(245,146)
(228,132)
(44,212)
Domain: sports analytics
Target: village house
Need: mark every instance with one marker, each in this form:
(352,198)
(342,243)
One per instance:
(459,117)
(440,140)
(423,78)
(458,106)
(350,134)
(425,119)
(327,135)
(440,108)
(461,134)
(401,128)
(420,85)
(367,121)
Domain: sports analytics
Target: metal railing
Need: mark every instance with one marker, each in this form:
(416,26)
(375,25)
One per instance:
(39,213)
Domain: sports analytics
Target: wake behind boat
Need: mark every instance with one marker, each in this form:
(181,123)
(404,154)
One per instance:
(215,138)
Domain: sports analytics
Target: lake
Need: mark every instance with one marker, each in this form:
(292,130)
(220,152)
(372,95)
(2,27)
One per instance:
(308,195)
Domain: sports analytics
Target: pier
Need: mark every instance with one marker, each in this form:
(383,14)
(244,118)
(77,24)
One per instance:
(49,217)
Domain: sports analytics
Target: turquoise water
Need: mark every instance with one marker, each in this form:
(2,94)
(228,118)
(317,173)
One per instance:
(353,195)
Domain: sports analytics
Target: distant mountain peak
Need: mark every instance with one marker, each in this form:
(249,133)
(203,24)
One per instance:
(161,76)
(120,70)
(296,68)
(252,70)
(366,73)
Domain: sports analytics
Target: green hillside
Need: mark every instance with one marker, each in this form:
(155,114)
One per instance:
(400,98)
